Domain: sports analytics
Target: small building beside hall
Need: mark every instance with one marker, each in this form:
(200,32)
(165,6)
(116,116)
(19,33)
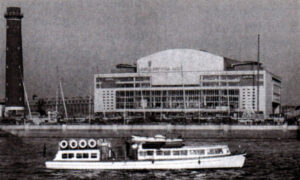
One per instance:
(78,107)
(188,82)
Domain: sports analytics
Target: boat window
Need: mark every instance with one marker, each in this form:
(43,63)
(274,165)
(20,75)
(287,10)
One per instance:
(167,153)
(85,155)
(197,152)
(211,151)
(219,151)
(142,153)
(149,153)
(159,153)
(70,155)
(176,153)
(184,152)
(202,151)
(93,155)
(215,151)
(64,155)
(79,155)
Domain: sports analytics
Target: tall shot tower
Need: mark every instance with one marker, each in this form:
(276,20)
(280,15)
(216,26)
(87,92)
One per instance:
(14,91)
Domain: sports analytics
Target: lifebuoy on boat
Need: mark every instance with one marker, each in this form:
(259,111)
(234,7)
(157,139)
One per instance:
(82,143)
(134,146)
(63,144)
(92,143)
(73,143)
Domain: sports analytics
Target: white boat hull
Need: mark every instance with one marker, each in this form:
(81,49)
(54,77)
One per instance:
(232,161)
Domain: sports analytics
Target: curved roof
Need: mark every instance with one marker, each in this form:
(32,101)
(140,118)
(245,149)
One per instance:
(180,60)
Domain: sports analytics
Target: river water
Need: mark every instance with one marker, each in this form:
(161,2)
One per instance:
(267,158)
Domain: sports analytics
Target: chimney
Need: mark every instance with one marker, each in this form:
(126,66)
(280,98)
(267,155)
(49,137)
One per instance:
(14,91)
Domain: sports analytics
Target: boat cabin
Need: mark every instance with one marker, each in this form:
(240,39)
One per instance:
(185,152)
(159,147)
(78,155)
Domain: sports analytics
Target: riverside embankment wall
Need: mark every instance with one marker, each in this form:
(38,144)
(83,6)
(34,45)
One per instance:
(148,127)
(186,131)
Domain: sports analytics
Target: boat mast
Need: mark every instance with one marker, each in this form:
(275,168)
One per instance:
(161,104)
(143,101)
(257,78)
(25,94)
(26,98)
(199,102)
(56,96)
(90,104)
(62,94)
(142,96)
(228,102)
(184,103)
(63,98)
(124,109)
(56,100)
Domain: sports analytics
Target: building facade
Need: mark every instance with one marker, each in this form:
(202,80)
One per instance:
(189,83)
(76,106)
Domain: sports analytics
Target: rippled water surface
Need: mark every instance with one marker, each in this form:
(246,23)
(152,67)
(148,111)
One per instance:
(22,158)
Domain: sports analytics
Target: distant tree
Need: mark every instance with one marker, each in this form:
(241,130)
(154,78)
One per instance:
(41,106)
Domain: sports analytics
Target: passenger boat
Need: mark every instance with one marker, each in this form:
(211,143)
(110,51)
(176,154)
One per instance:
(143,153)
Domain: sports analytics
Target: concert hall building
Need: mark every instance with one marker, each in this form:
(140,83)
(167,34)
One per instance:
(189,83)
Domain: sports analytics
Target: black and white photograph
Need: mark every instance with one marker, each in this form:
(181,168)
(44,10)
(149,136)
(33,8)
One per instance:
(149,89)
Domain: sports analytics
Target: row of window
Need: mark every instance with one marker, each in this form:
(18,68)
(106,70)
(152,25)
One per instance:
(72,102)
(175,99)
(204,77)
(205,80)
(204,84)
(122,79)
(231,77)
(181,152)
(79,155)
(176,105)
(178,92)
(214,84)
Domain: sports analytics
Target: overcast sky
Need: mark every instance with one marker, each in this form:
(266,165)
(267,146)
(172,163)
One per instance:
(83,37)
